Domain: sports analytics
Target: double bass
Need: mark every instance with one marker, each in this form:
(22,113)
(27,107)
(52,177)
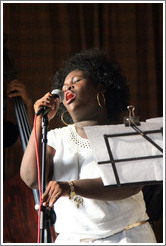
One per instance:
(20,220)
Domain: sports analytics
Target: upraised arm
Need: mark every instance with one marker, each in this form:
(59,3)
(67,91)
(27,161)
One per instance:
(28,170)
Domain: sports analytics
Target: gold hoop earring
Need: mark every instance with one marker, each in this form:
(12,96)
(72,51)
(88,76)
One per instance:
(98,99)
(62,115)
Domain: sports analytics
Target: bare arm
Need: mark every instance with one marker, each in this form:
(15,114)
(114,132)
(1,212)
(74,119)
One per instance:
(89,188)
(28,170)
(94,188)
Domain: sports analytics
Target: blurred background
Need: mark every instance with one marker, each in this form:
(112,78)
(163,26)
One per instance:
(38,37)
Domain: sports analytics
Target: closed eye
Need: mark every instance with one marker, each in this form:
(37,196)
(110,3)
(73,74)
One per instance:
(76,81)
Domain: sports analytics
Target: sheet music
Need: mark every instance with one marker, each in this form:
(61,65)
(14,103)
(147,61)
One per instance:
(127,147)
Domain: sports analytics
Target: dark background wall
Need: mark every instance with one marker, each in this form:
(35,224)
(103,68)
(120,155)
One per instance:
(42,35)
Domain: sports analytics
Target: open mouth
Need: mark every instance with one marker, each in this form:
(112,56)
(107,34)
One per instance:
(69,96)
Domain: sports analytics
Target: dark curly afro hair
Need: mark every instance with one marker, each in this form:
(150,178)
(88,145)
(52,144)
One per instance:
(106,75)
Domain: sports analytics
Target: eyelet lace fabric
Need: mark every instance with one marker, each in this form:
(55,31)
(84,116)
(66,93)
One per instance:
(82,143)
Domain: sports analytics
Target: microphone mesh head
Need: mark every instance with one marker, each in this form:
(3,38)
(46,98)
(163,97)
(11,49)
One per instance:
(58,93)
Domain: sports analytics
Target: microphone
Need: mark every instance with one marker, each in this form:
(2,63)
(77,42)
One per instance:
(56,94)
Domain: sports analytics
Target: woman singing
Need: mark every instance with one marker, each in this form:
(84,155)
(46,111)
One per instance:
(95,93)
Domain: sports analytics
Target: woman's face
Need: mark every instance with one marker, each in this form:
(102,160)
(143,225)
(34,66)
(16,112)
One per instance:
(80,96)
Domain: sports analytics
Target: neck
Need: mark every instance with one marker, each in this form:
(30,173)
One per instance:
(95,118)
(79,125)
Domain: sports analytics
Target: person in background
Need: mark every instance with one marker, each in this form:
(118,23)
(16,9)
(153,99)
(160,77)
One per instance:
(18,88)
(10,129)
(95,93)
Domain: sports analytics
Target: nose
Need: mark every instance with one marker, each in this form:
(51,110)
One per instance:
(69,87)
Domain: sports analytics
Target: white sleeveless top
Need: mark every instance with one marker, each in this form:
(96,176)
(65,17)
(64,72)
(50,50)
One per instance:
(96,218)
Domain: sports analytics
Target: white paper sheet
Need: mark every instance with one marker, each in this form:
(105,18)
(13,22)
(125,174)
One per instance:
(123,147)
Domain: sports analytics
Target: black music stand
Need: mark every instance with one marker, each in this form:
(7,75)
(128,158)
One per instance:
(105,140)
(113,161)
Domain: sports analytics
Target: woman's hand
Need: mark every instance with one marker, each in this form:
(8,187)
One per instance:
(54,191)
(48,100)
